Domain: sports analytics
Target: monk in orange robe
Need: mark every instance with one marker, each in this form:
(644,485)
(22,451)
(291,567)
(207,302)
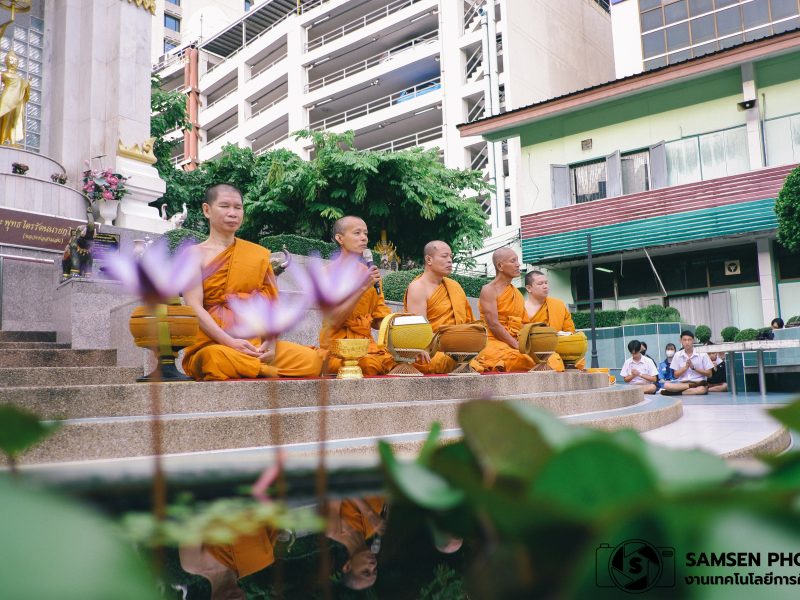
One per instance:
(356,317)
(438,298)
(542,308)
(352,522)
(503,310)
(235,267)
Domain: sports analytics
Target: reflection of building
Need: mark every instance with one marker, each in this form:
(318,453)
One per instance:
(685,161)
(653,33)
(400,73)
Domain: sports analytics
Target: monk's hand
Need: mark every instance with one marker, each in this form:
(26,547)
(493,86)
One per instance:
(244,346)
(374,276)
(267,352)
(423,358)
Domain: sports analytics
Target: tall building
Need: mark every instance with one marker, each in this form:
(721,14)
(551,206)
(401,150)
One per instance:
(400,73)
(653,33)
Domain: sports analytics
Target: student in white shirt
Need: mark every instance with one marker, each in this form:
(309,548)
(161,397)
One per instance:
(639,370)
(691,369)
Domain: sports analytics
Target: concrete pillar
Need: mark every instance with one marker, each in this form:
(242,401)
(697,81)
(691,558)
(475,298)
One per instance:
(766,281)
(296,82)
(752,117)
(452,64)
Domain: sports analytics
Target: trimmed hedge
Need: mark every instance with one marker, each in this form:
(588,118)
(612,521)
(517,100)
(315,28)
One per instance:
(297,244)
(729,333)
(395,284)
(602,318)
(793,321)
(176,237)
(702,333)
(654,313)
(746,335)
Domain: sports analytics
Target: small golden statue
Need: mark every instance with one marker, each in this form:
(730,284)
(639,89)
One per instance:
(15,94)
(388,253)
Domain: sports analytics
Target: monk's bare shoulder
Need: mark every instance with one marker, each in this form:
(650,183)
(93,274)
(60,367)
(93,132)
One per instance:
(489,291)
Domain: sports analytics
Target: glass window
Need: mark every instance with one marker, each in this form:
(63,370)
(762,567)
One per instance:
(652,19)
(675,12)
(705,49)
(172,23)
(655,63)
(699,7)
(757,34)
(783,8)
(724,153)
(636,172)
(730,41)
(248,4)
(729,21)
(723,3)
(748,266)
(702,29)
(588,181)
(169,45)
(782,140)
(786,25)
(788,263)
(755,13)
(648,4)
(677,57)
(653,44)
(175,2)
(683,161)
(678,37)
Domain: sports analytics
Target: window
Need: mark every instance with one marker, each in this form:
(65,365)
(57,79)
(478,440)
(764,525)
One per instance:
(588,181)
(707,156)
(175,2)
(636,172)
(248,4)
(788,263)
(169,45)
(172,23)
(683,161)
(782,140)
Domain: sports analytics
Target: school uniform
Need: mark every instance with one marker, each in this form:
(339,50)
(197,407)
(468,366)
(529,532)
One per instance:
(698,359)
(644,366)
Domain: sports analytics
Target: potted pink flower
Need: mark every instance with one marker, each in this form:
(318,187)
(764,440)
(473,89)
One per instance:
(107,189)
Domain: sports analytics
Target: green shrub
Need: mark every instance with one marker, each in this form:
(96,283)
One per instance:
(793,321)
(702,334)
(746,335)
(654,313)
(729,333)
(297,244)
(602,318)
(176,237)
(395,284)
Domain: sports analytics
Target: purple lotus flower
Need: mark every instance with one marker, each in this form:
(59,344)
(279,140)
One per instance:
(338,280)
(157,276)
(263,317)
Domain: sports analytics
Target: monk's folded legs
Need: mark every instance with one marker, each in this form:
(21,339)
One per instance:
(218,363)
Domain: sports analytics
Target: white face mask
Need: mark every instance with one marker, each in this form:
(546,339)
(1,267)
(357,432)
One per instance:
(670,353)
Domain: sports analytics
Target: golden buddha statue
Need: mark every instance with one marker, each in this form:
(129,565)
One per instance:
(14,95)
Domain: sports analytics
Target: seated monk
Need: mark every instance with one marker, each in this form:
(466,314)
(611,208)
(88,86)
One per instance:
(354,522)
(542,308)
(438,298)
(356,317)
(234,267)
(503,309)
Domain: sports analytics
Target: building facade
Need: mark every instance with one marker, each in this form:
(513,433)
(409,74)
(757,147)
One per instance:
(399,73)
(674,173)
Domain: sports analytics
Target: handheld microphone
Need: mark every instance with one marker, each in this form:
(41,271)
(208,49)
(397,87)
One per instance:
(367,255)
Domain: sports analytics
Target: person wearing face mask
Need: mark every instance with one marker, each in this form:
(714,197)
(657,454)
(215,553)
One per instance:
(665,372)
(647,356)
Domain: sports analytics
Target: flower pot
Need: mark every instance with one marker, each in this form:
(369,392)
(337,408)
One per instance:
(108,211)
(165,329)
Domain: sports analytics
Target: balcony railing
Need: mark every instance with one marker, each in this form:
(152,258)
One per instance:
(221,98)
(270,105)
(359,23)
(254,74)
(271,145)
(223,134)
(481,159)
(410,141)
(476,112)
(379,104)
(372,61)
(474,62)
(472,13)
(177,160)
(251,42)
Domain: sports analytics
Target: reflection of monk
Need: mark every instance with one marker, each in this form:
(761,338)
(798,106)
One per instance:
(234,267)
(440,299)
(503,310)
(541,308)
(15,94)
(356,317)
(351,523)
(223,565)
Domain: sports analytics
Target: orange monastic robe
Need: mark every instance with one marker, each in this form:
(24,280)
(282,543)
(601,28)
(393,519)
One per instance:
(499,356)
(249,553)
(359,326)
(241,270)
(554,313)
(447,305)
(352,515)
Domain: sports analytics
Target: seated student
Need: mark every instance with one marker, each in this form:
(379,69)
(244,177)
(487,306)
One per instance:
(718,382)
(356,317)
(777,323)
(235,267)
(646,355)
(638,370)
(691,369)
(665,372)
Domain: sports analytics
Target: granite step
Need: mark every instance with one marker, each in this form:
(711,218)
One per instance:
(651,413)
(130,436)
(69,401)
(39,377)
(27,336)
(58,358)
(33,346)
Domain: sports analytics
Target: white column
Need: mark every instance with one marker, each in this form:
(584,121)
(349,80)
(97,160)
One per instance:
(296,81)
(452,64)
(752,117)
(766,281)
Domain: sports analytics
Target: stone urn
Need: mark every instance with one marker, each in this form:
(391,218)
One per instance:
(108,210)
(164,329)
(572,348)
(538,341)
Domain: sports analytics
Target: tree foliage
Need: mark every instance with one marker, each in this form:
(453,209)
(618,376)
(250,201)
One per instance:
(168,112)
(787,209)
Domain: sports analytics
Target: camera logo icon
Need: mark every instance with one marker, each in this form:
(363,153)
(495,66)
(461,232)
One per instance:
(635,566)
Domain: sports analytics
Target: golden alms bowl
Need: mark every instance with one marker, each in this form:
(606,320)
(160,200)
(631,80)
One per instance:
(350,351)
(572,348)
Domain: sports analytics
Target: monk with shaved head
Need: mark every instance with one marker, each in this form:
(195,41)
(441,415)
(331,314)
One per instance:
(356,317)
(503,309)
(439,299)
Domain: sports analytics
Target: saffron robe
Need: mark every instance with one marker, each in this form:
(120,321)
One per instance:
(249,553)
(447,305)
(499,356)
(358,325)
(352,515)
(553,312)
(241,270)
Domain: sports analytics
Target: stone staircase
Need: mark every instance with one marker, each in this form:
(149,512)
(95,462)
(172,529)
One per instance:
(106,415)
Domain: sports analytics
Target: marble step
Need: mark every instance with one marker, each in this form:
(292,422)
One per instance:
(39,377)
(27,336)
(33,346)
(58,358)
(130,436)
(651,413)
(124,400)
